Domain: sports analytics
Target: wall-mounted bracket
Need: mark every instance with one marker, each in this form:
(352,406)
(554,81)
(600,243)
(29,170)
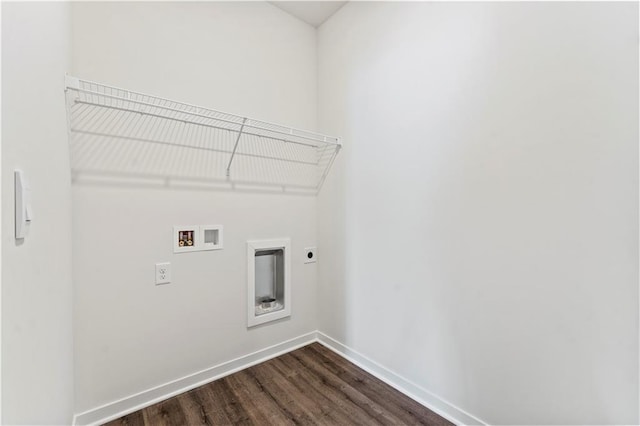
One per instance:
(235,147)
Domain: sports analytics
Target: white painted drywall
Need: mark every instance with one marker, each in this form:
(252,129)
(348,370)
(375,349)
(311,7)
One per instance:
(479,231)
(248,58)
(37,346)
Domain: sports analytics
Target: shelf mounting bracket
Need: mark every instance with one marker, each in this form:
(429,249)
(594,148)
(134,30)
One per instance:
(235,147)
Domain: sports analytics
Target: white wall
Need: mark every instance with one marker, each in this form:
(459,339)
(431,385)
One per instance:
(479,231)
(477,235)
(37,347)
(248,58)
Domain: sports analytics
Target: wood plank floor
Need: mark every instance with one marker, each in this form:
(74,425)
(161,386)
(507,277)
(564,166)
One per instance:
(309,386)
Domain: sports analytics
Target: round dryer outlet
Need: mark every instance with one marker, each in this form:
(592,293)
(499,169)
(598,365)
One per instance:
(310,254)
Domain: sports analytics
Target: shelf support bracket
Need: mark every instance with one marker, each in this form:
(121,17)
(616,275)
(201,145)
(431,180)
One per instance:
(244,120)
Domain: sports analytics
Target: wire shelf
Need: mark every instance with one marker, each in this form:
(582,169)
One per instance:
(124,133)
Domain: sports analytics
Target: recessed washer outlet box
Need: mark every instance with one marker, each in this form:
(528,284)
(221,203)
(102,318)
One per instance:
(269,281)
(188,238)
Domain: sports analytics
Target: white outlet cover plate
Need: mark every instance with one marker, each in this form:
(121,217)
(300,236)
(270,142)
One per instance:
(203,245)
(314,253)
(163,273)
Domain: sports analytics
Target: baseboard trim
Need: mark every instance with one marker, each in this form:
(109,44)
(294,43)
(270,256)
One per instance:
(124,406)
(412,390)
(138,401)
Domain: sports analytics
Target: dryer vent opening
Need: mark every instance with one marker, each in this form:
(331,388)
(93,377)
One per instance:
(268,284)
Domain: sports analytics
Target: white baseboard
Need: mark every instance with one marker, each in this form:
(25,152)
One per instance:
(124,406)
(412,390)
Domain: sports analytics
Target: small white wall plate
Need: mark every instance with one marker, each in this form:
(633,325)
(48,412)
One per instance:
(163,273)
(211,237)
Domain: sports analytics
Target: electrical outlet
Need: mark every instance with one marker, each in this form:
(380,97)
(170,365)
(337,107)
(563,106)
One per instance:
(310,254)
(163,273)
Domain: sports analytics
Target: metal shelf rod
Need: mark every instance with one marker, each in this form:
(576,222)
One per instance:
(107,173)
(191,122)
(326,170)
(266,129)
(235,147)
(105,122)
(73,83)
(199,148)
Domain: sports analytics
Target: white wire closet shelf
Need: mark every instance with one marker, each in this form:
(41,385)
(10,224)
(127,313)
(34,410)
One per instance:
(118,132)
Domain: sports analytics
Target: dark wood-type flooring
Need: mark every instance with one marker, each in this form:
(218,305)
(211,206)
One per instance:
(309,386)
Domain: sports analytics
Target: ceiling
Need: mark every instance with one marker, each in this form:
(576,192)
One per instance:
(312,12)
